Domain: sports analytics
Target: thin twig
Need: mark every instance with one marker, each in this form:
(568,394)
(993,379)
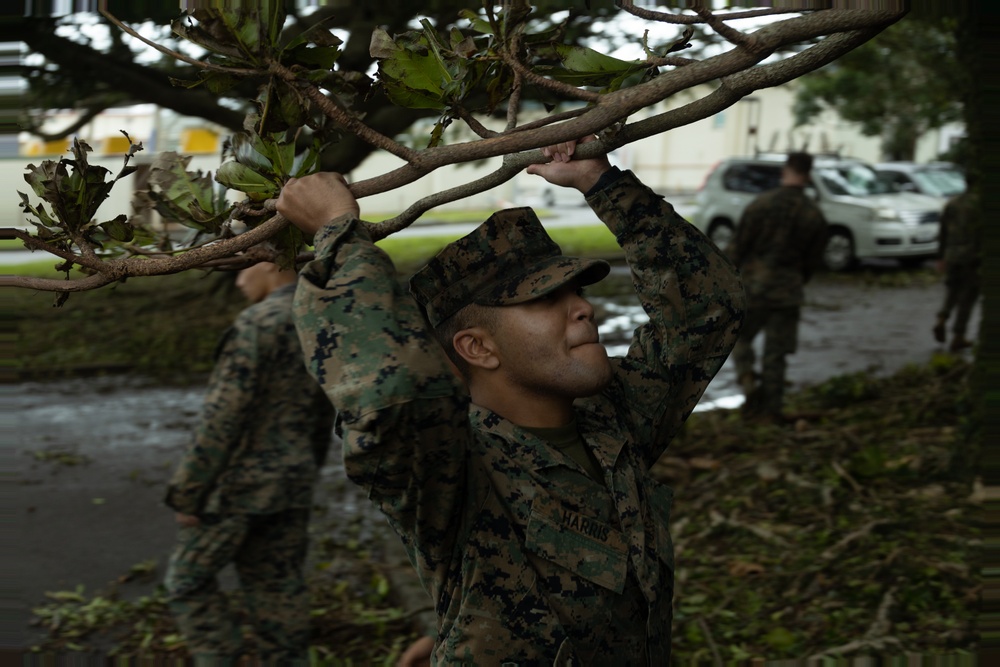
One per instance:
(864,531)
(345,119)
(839,469)
(177,54)
(685,19)
(514,101)
(731,35)
(705,630)
(35,243)
(474,124)
(551,84)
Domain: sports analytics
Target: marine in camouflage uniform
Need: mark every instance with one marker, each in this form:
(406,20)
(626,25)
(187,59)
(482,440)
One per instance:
(244,488)
(960,242)
(777,247)
(538,546)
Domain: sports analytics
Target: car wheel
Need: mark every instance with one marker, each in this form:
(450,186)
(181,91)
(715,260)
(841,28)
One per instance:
(839,252)
(912,262)
(721,233)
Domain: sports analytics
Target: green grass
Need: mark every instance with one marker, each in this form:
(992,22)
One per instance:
(412,252)
(448,216)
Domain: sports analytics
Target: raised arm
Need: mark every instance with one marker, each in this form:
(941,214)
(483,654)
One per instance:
(694,299)
(404,415)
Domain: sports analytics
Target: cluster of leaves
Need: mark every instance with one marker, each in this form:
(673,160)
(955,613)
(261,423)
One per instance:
(469,73)
(194,200)
(250,40)
(74,190)
(846,535)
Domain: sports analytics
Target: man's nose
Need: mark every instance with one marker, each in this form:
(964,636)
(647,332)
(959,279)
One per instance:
(582,309)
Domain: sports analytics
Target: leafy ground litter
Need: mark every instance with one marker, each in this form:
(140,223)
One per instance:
(847,533)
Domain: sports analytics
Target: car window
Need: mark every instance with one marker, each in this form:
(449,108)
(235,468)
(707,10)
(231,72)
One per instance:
(940,182)
(893,180)
(857,180)
(752,177)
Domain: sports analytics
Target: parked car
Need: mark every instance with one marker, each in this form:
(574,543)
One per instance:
(935,179)
(865,219)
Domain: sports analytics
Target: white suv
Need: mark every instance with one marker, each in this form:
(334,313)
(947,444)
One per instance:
(865,219)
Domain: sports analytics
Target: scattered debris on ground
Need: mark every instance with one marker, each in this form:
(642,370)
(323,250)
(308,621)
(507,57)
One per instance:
(848,531)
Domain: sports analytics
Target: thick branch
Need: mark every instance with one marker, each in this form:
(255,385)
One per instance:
(737,86)
(35,243)
(117,269)
(616,106)
(143,83)
(88,115)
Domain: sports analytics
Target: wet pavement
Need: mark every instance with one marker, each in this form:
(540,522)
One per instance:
(90,457)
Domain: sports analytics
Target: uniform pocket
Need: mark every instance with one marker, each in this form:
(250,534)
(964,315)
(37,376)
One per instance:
(581,544)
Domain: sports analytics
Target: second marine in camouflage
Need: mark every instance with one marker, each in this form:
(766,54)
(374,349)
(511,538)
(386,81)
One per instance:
(529,512)
(777,247)
(244,489)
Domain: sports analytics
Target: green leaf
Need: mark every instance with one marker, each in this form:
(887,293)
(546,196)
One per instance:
(119,229)
(249,150)
(780,639)
(240,177)
(586,67)
(480,25)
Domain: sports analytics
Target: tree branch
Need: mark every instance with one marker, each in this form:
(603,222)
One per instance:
(200,64)
(117,269)
(683,19)
(338,115)
(616,106)
(145,84)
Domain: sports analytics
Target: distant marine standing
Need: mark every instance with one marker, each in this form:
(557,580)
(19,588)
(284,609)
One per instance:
(778,246)
(243,490)
(960,239)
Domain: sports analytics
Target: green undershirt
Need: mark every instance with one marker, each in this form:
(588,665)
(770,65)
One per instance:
(568,441)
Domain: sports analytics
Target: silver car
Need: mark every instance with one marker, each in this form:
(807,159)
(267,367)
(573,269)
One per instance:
(942,180)
(865,219)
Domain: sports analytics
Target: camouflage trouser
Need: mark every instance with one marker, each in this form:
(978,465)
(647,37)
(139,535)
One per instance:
(781,327)
(962,281)
(268,551)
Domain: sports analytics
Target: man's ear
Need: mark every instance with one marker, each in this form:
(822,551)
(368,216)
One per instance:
(477,347)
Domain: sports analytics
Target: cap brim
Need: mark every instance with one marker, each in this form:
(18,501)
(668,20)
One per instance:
(543,277)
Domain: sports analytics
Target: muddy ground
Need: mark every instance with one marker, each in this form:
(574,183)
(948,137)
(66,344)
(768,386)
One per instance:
(91,456)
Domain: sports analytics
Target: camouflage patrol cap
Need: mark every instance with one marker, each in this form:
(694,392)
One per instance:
(508,259)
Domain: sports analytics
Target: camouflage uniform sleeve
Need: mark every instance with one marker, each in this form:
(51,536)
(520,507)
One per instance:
(695,302)
(231,390)
(404,415)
